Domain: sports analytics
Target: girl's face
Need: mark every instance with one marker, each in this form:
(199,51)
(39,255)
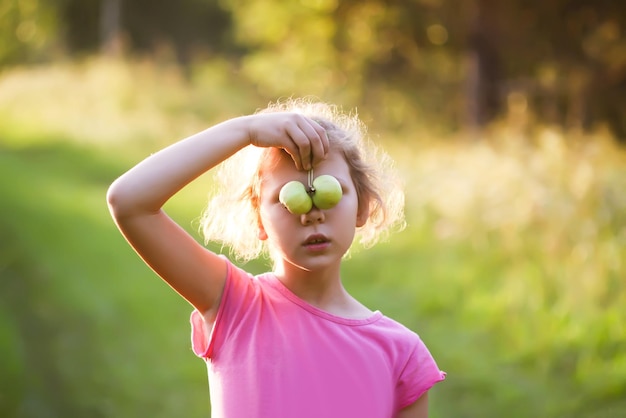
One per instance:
(319,238)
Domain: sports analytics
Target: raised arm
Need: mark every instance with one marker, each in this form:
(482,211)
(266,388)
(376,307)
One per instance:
(136,198)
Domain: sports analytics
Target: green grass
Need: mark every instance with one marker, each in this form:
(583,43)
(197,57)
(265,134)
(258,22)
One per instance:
(91,331)
(511,269)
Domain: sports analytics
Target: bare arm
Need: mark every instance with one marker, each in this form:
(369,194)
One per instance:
(136,198)
(418,409)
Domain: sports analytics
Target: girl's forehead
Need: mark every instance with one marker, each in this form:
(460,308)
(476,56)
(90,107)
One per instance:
(278,163)
(271,157)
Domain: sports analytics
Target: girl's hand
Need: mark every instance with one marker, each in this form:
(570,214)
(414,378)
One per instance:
(301,137)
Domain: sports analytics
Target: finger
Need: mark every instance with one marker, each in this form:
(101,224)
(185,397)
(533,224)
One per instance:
(317,140)
(302,157)
(320,143)
(293,150)
(300,134)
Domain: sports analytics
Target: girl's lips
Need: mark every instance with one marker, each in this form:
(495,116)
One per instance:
(316,242)
(315,238)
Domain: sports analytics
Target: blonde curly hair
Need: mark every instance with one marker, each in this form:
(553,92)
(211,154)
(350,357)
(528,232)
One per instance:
(232,214)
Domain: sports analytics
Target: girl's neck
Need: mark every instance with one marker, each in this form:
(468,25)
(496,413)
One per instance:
(322,289)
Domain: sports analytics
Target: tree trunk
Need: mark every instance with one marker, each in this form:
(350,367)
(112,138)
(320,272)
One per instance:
(482,65)
(110,27)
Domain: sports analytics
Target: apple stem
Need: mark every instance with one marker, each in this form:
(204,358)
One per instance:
(310,179)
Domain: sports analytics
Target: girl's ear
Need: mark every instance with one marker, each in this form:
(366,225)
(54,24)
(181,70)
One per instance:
(261,232)
(363,212)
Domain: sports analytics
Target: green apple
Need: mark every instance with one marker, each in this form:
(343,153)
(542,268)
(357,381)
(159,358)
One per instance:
(327,191)
(295,198)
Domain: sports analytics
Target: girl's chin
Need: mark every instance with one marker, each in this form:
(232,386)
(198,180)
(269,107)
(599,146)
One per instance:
(311,265)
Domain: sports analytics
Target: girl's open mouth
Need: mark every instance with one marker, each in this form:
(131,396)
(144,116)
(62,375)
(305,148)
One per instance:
(316,242)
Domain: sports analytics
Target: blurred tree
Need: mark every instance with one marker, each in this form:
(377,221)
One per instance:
(453,62)
(28,30)
(111,26)
(448,62)
(482,63)
(566,58)
(290,44)
(189,27)
(186,27)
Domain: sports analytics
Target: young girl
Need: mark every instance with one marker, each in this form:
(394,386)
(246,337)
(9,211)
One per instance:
(291,342)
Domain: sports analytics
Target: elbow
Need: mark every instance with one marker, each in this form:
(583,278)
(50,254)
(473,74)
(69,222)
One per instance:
(126,200)
(117,201)
(113,198)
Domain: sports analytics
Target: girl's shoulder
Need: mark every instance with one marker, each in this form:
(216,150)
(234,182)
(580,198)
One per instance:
(395,335)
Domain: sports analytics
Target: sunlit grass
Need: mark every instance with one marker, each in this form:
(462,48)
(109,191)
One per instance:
(547,216)
(512,267)
(102,101)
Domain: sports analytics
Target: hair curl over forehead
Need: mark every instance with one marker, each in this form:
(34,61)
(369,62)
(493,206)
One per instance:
(232,214)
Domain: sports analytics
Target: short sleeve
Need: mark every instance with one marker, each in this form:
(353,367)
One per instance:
(205,338)
(199,335)
(418,376)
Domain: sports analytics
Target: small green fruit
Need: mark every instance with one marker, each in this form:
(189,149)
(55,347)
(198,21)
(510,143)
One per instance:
(295,198)
(327,192)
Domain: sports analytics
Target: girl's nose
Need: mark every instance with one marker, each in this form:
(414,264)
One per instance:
(315,215)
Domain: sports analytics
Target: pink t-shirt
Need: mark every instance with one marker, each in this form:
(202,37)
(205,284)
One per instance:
(271,354)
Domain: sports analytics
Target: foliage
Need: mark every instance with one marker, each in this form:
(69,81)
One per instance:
(104,101)
(533,236)
(79,340)
(511,268)
(451,63)
(28,30)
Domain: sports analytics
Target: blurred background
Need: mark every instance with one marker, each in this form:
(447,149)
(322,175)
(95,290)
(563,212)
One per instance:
(507,120)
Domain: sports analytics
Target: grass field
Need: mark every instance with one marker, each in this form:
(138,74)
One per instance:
(512,268)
